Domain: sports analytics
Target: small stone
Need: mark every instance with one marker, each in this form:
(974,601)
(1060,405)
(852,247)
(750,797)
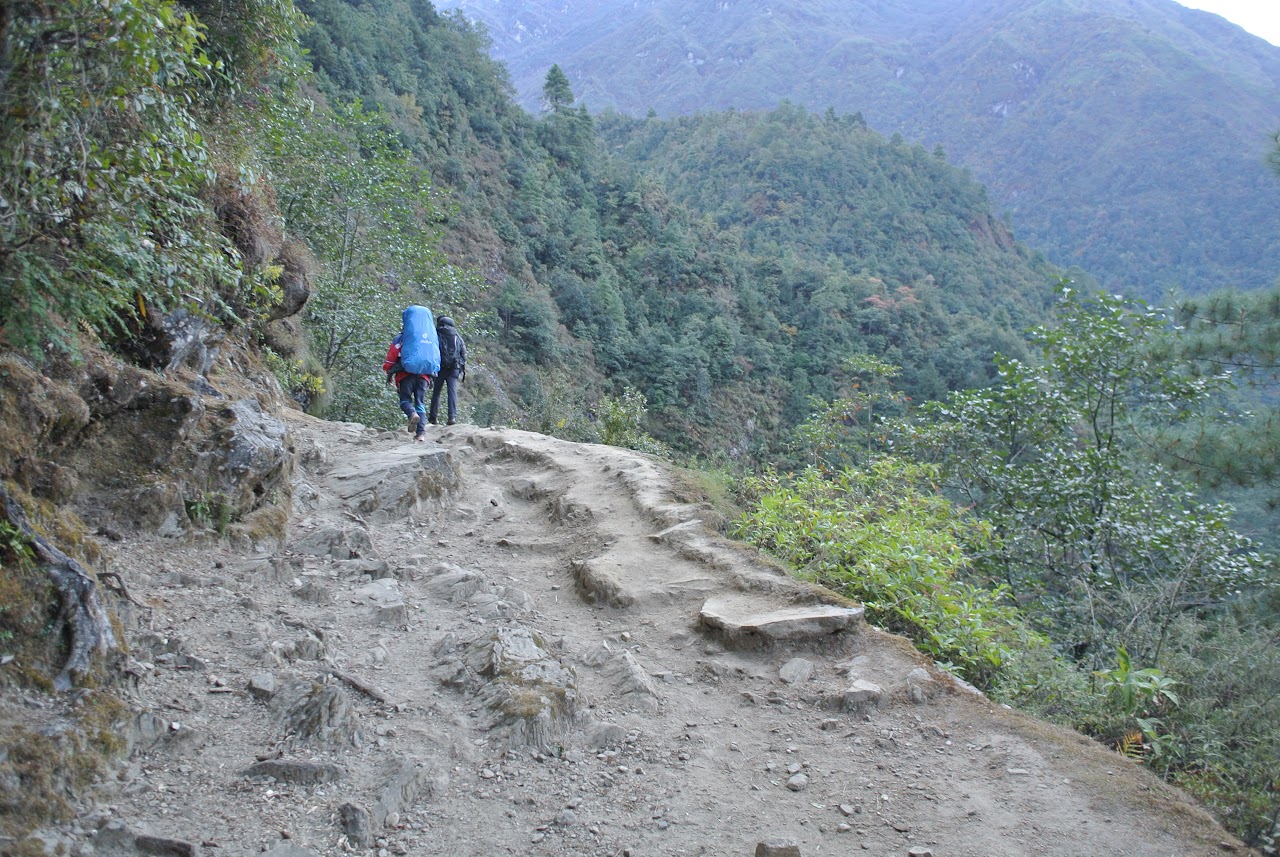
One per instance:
(843,827)
(848,809)
(920,852)
(189,662)
(147,844)
(777,849)
(796,671)
(356,824)
(861,693)
(798,783)
(263,686)
(567,818)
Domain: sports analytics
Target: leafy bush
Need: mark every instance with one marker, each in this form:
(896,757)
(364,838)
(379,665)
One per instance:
(297,382)
(1108,547)
(529,324)
(103,166)
(884,537)
(621,423)
(1115,557)
(553,405)
(1222,740)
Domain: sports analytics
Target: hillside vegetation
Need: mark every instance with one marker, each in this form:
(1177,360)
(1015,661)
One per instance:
(609,270)
(807,310)
(1126,138)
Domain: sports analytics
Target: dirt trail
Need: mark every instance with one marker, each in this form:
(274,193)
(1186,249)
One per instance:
(494,644)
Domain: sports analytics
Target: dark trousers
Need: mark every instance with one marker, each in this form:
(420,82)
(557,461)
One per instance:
(413,392)
(445,377)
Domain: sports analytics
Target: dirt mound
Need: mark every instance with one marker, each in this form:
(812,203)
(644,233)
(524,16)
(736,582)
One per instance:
(501,643)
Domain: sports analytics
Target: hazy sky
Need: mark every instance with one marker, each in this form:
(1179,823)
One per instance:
(1260,17)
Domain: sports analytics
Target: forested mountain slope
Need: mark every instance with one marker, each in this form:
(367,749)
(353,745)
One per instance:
(727,323)
(1124,137)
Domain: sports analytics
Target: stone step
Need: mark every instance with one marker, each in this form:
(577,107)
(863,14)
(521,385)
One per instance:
(745,621)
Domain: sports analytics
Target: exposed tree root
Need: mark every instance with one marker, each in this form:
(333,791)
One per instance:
(83,611)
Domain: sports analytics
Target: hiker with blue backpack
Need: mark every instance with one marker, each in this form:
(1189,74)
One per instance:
(453,368)
(412,360)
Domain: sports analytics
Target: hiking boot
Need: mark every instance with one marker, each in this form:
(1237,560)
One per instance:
(452,422)
(413,424)
(421,438)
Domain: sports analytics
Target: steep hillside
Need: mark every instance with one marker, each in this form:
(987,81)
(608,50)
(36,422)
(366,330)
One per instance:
(1126,138)
(867,245)
(603,273)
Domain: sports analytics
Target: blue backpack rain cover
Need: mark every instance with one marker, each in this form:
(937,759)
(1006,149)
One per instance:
(419,347)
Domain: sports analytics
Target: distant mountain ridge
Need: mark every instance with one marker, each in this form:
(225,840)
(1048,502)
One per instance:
(1127,137)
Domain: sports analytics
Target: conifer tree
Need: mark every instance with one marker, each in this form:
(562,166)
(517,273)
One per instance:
(557,95)
(1236,335)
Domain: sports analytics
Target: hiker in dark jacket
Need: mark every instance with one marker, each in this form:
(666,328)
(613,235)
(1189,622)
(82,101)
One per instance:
(412,389)
(453,368)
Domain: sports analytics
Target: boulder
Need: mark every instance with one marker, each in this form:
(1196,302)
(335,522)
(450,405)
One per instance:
(796,671)
(356,824)
(599,585)
(531,695)
(632,685)
(313,712)
(403,782)
(341,543)
(389,485)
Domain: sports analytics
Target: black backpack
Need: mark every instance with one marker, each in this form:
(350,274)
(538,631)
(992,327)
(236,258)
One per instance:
(450,348)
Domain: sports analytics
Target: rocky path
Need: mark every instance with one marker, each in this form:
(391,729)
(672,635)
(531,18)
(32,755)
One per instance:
(501,643)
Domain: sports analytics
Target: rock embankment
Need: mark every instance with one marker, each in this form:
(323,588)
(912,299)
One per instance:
(501,643)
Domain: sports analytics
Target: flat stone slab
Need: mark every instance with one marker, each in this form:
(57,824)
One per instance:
(742,620)
(297,773)
(391,484)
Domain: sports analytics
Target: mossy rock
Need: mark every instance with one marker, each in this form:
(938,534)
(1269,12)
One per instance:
(43,768)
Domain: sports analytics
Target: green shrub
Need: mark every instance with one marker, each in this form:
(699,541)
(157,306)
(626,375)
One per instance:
(621,423)
(103,169)
(882,537)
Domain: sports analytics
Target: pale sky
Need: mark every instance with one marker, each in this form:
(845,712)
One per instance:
(1260,17)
